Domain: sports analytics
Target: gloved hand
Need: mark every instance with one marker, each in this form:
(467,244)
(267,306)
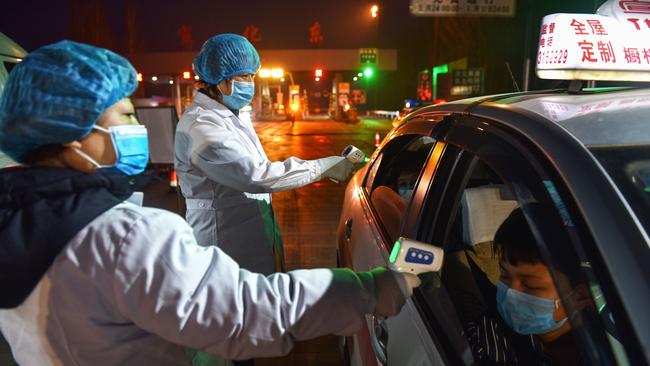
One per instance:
(392,288)
(335,167)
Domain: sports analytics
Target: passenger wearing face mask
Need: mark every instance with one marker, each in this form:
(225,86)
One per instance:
(88,278)
(529,325)
(224,173)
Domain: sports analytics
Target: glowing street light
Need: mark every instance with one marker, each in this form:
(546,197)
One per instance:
(374,11)
(265,73)
(186,75)
(154,78)
(277,73)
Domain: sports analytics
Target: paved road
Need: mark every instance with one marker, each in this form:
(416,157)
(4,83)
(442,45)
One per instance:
(308,217)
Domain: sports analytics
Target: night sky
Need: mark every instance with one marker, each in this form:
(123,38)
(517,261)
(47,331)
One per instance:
(492,43)
(282,24)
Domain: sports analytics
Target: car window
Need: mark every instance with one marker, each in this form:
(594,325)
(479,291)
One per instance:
(462,217)
(399,164)
(629,167)
(392,178)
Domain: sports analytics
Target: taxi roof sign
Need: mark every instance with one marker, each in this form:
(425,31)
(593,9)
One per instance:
(611,45)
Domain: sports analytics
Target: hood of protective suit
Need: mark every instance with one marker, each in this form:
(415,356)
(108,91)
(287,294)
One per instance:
(41,209)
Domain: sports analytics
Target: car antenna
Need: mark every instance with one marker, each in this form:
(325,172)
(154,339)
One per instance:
(514,82)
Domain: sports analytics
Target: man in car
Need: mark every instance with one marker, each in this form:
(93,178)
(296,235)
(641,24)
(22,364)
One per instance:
(530,326)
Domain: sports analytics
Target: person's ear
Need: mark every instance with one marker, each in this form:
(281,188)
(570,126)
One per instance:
(71,159)
(73,144)
(225,87)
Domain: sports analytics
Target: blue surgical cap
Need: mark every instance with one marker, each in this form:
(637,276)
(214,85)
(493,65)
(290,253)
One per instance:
(57,93)
(224,56)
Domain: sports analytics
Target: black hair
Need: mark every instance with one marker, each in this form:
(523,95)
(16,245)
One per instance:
(210,90)
(515,242)
(42,153)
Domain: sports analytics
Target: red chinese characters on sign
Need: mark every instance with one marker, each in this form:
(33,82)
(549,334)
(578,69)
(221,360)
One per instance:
(642,7)
(579,28)
(638,22)
(606,51)
(597,27)
(587,51)
(546,30)
(646,55)
(632,55)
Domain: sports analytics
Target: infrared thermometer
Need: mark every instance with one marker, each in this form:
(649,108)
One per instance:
(354,155)
(410,256)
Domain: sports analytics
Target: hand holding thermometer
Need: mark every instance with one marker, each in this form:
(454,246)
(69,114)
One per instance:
(353,155)
(410,256)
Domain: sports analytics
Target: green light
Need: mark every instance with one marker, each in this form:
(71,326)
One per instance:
(440,69)
(367,72)
(395,252)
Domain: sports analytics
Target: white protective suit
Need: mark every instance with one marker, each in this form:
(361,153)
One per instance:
(133,287)
(226,179)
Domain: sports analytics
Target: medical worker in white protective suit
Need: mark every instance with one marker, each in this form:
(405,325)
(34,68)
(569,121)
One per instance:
(88,278)
(223,170)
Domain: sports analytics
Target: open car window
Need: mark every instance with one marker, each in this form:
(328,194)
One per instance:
(479,190)
(393,176)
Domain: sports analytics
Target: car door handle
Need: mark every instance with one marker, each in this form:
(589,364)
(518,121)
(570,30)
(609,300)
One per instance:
(348,228)
(379,340)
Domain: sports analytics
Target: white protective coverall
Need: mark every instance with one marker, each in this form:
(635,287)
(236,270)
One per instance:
(133,287)
(226,179)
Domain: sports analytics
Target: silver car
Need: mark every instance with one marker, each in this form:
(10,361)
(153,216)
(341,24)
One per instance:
(450,174)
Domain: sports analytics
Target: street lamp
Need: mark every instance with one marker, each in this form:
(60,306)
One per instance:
(374,11)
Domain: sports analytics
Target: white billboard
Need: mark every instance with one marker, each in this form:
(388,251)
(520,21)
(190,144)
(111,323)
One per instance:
(447,8)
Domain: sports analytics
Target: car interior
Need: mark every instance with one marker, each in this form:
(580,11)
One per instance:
(466,286)
(393,184)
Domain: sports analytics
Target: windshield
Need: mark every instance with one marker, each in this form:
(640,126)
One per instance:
(629,167)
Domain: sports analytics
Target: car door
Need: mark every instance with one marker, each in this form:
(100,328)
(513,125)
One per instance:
(485,172)
(371,223)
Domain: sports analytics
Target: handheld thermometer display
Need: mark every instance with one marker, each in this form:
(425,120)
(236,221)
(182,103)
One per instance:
(410,256)
(353,154)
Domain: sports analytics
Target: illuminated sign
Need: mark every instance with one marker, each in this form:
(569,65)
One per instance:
(368,55)
(611,45)
(344,88)
(500,8)
(467,81)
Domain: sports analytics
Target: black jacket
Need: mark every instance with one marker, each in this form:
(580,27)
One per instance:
(41,209)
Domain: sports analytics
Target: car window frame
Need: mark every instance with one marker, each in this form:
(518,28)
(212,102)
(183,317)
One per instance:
(468,138)
(424,125)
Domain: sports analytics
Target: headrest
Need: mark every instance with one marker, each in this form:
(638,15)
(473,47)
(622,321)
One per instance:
(484,209)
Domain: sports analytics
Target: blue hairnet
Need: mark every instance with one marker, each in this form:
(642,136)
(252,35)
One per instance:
(57,93)
(224,56)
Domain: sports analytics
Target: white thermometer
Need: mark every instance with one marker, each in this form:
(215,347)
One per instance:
(410,256)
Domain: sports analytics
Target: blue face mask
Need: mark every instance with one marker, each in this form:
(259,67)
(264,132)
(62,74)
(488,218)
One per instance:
(524,313)
(131,148)
(242,94)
